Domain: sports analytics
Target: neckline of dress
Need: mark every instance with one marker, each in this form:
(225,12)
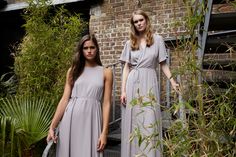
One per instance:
(142,48)
(91,67)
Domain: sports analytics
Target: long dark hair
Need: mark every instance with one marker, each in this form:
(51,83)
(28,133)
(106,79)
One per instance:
(134,32)
(78,63)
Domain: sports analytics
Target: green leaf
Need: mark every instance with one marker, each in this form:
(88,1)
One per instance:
(27,120)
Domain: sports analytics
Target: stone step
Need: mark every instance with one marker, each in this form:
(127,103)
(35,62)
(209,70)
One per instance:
(215,90)
(220,59)
(222,7)
(229,57)
(210,75)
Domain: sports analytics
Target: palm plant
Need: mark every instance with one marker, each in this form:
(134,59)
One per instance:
(24,121)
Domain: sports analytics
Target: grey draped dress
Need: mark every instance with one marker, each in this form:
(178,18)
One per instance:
(81,125)
(142,120)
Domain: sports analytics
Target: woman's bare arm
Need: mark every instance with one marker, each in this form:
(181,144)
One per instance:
(125,74)
(61,107)
(106,108)
(165,68)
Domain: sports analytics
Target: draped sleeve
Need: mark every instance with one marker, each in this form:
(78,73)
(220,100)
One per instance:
(125,55)
(162,56)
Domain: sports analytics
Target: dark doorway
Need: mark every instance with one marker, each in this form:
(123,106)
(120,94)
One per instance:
(12,32)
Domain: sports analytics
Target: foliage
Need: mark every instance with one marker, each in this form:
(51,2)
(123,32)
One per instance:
(209,126)
(145,134)
(46,51)
(24,121)
(41,62)
(210,132)
(8,85)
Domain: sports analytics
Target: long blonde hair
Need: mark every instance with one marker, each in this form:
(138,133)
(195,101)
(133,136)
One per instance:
(134,32)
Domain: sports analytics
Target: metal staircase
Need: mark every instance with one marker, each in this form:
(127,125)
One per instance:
(217,37)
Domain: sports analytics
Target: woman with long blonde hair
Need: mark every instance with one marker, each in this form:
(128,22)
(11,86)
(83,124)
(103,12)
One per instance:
(141,55)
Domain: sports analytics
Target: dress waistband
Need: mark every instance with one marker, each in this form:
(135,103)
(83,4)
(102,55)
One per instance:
(140,68)
(136,72)
(84,98)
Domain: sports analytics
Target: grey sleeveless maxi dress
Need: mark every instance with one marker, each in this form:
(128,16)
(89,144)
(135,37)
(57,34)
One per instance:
(143,79)
(81,124)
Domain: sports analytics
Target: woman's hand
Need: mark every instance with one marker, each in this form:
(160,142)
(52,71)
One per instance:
(102,141)
(51,135)
(123,98)
(175,85)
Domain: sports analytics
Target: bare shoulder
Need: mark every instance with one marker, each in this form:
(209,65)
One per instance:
(69,75)
(68,72)
(108,73)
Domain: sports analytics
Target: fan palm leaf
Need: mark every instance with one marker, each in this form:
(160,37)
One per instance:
(24,121)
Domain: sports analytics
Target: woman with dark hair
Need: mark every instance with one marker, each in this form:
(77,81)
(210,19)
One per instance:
(83,120)
(141,55)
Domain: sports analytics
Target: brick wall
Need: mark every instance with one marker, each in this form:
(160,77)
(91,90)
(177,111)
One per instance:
(110,22)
